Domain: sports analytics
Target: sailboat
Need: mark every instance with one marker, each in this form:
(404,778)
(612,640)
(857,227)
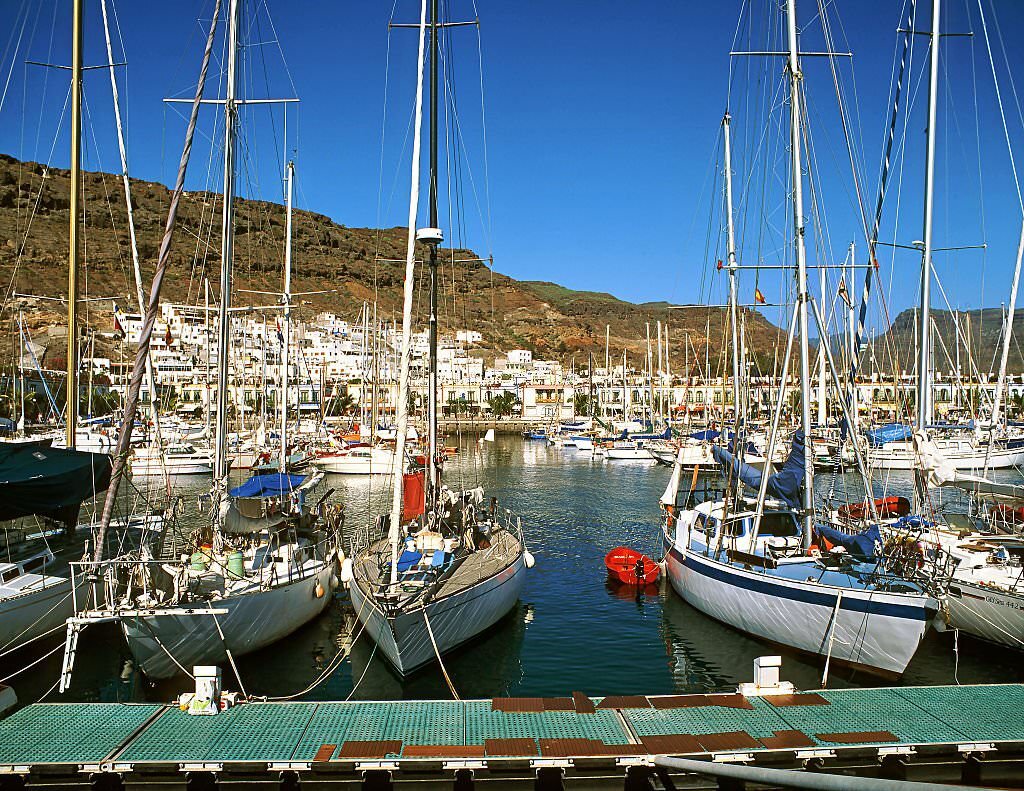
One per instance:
(748,561)
(447,565)
(262,566)
(49,482)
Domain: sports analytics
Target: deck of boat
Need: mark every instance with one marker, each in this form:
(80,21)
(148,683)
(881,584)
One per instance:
(926,726)
(478,566)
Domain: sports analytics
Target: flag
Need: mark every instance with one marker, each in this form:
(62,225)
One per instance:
(280,335)
(843,293)
(759,297)
(119,332)
(168,338)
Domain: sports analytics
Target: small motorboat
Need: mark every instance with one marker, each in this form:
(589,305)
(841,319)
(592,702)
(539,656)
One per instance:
(631,567)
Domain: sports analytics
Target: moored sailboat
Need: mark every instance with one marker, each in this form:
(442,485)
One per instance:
(447,566)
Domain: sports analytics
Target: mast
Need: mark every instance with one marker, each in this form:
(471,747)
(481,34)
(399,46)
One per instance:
(799,230)
(433,481)
(71,408)
(924,364)
(731,257)
(285,338)
(227,247)
(402,405)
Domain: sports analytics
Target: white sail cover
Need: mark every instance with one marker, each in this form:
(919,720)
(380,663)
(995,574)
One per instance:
(941,473)
(672,490)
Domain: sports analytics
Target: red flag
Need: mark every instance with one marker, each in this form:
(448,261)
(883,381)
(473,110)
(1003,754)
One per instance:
(759,297)
(843,293)
(168,338)
(413,495)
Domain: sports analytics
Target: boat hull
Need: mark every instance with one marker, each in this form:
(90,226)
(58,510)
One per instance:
(986,612)
(27,614)
(904,458)
(252,621)
(454,620)
(879,632)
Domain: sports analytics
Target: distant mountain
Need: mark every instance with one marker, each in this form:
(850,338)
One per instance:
(981,330)
(350,264)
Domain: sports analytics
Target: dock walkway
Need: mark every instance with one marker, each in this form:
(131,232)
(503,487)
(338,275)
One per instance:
(938,729)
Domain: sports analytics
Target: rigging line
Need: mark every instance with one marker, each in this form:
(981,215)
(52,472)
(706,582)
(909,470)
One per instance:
(873,237)
(1002,112)
(1009,72)
(830,43)
(131,401)
(14,56)
(46,81)
(383,129)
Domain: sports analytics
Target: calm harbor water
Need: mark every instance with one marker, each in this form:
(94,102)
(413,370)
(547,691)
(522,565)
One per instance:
(571,631)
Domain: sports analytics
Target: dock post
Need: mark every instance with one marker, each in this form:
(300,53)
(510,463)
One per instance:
(463,780)
(549,778)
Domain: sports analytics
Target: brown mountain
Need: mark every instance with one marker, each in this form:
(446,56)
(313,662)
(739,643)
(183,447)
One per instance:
(350,264)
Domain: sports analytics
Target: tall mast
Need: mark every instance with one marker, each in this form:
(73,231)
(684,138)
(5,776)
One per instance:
(71,410)
(402,405)
(227,246)
(432,476)
(287,298)
(924,362)
(799,230)
(731,256)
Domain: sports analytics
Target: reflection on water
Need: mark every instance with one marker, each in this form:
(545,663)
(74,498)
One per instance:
(573,630)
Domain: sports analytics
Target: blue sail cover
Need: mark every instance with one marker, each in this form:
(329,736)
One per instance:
(271,484)
(707,435)
(861,546)
(783,485)
(890,432)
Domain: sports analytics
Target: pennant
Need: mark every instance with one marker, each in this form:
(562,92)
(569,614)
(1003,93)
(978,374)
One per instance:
(759,297)
(119,332)
(843,293)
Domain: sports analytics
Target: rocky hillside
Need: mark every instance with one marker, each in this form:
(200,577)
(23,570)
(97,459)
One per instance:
(981,329)
(349,264)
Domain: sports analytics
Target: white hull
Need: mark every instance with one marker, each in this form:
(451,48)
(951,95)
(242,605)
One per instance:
(901,456)
(253,620)
(988,613)
(628,454)
(147,468)
(26,614)
(378,461)
(454,619)
(875,631)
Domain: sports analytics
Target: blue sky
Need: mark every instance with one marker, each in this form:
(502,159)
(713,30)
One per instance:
(602,124)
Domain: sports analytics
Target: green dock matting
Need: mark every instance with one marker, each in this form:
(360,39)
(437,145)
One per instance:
(264,732)
(69,732)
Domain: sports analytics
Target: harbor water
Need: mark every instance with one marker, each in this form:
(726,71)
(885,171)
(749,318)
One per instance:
(572,630)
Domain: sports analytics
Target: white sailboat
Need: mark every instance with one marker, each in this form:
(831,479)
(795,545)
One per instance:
(263,566)
(747,561)
(448,566)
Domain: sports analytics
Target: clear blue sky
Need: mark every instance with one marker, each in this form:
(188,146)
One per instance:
(602,119)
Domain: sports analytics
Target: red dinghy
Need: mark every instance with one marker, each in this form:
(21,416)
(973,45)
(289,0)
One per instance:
(631,567)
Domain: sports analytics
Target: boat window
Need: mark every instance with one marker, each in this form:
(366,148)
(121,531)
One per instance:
(779,524)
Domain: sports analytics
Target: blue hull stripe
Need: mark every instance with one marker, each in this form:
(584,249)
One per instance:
(766,586)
